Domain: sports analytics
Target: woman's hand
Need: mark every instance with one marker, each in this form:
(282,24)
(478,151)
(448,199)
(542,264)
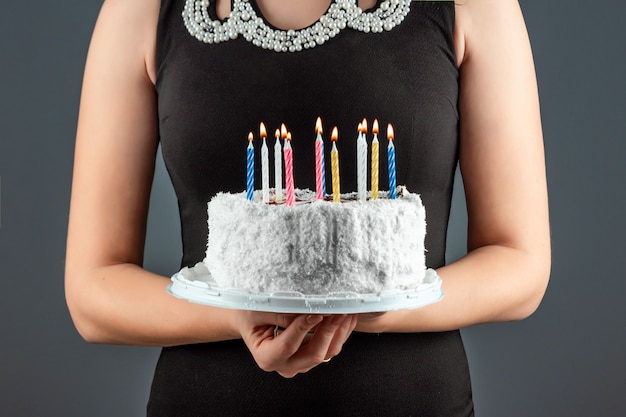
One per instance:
(305,342)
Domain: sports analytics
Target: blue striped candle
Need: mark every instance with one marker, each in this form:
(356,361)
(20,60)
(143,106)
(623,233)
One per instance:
(391,163)
(250,169)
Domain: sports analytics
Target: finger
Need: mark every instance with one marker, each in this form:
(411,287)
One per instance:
(314,353)
(261,318)
(342,334)
(308,357)
(333,330)
(284,320)
(293,336)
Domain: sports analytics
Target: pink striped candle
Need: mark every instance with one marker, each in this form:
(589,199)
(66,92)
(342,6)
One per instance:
(289,186)
(319,161)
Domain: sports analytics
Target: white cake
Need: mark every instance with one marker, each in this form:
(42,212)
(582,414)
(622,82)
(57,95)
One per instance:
(317,247)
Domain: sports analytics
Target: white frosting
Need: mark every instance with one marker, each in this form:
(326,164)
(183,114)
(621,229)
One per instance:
(317,247)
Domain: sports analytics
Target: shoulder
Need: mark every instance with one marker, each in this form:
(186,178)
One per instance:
(129,27)
(483,24)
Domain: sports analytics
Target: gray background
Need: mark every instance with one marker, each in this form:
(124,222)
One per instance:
(569,359)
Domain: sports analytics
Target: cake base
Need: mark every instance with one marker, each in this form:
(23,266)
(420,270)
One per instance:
(196,285)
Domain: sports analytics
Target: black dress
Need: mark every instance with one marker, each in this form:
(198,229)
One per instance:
(210,96)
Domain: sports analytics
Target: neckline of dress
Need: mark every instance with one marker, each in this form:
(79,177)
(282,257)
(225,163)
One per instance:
(259,13)
(246,20)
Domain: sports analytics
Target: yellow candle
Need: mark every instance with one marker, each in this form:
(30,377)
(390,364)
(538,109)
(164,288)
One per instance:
(334,165)
(375,161)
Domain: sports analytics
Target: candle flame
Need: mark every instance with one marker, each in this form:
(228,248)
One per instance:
(360,128)
(335,134)
(250,137)
(389,132)
(375,127)
(277,134)
(283,131)
(288,137)
(318,126)
(262,131)
(364,124)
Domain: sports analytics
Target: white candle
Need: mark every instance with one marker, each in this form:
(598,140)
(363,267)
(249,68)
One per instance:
(278,167)
(265,165)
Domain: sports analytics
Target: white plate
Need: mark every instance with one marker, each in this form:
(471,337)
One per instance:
(196,285)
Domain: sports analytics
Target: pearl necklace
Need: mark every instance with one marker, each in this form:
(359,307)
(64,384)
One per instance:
(244,21)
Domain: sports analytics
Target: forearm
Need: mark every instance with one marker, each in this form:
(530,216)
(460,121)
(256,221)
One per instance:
(490,284)
(125,304)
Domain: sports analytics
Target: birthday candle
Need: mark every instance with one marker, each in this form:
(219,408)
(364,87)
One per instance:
(290,191)
(375,160)
(250,169)
(265,165)
(283,134)
(320,174)
(278,167)
(391,160)
(361,162)
(334,164)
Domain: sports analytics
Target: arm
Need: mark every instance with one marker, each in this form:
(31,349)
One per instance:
(111,298)
(504,275)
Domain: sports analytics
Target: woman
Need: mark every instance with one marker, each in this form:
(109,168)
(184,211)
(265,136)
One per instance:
(459,84)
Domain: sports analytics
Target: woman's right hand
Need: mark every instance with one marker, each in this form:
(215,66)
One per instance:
(305,342)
